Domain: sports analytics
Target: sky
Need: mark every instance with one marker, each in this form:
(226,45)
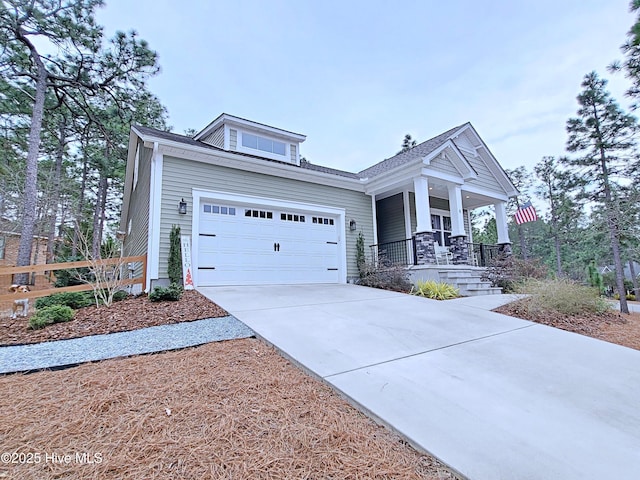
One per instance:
(356,76)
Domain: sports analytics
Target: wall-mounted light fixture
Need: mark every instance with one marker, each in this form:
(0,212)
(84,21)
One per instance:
(352,225)
(182,207)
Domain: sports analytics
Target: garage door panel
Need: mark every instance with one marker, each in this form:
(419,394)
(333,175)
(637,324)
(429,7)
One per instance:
(260,244)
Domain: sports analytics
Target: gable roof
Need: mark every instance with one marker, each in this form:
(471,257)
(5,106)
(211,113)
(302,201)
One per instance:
(421,150)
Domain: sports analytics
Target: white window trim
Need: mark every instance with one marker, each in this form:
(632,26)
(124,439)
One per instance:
(441,213)
(261,153)
(271,203)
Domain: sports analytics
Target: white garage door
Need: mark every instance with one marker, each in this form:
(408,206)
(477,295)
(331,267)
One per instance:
(255,244)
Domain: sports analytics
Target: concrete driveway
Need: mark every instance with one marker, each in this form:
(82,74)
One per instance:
(492,396)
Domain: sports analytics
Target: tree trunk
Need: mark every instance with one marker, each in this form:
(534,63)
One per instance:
(55,194)
(634,280)
(558,256)
(31,178)
(97,213)
(79,210)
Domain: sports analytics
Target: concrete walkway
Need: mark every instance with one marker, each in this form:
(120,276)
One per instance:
(492,396)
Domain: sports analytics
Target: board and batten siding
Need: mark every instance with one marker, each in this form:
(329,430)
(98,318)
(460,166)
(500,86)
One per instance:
(135,242)
(390,213)
(181,176)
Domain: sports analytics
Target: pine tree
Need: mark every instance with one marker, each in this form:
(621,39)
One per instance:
(407,144)
(602,136)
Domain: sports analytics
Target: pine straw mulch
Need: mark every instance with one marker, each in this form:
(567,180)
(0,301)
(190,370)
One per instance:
(225,410)
(611,326)
(130,314)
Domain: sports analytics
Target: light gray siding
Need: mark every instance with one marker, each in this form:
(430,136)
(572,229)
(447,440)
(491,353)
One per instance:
(135,242)
(216,138)
(485,178)
(181,176)
(443,165)
(294,153)
(233,139)
(390,218)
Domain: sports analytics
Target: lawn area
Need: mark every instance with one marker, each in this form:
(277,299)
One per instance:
(231,410)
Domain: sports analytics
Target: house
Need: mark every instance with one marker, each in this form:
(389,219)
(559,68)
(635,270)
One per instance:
(258,213)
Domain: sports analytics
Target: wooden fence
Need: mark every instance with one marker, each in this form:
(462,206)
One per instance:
(48,267)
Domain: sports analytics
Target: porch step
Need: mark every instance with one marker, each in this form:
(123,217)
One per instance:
(468,282)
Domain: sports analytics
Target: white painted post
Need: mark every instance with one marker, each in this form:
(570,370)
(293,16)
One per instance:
(455,209)
(423,209)
(501,222)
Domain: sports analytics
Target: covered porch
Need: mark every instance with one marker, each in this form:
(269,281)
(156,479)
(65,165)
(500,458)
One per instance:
(428,222)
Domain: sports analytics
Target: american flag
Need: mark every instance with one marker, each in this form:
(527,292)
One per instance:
(526,213)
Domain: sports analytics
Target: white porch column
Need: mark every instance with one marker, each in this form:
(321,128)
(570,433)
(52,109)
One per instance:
(501,222)
(423,209)
(455,207)
(407,214)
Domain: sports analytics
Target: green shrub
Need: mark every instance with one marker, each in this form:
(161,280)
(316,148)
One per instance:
(50,315)
(562,296)
(171,293)
(74,300)
(174,268)
(120,295)
(435,290)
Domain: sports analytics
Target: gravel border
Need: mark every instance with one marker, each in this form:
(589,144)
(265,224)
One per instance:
(60,353)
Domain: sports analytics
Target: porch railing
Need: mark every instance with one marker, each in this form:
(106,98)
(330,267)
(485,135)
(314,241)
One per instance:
(402,252)
(483,253)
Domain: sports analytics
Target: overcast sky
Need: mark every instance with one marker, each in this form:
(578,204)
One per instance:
(356,76)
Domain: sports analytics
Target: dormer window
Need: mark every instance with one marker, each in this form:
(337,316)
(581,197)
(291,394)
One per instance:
(235,134)
(265,144)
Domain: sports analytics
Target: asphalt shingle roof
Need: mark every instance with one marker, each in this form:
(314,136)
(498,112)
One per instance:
(421,150)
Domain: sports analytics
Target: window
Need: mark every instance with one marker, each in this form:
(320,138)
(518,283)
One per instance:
(257,142)
(248,212)
(441,229)
(291,217)
(322,220)
(218,210)
(2,243)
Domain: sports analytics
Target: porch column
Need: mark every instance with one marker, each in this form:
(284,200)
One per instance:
(501,222)
(423,209)
(455,208)
(425,248)
(406,205)
(459,247)
(504,243)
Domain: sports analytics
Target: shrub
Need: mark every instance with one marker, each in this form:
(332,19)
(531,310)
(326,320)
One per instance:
(50,315)
(562,296)
(174,268)
(631,297)
(171,293)
(507,272)
(120,295)
(434,290)
(385,276)
(74,300)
